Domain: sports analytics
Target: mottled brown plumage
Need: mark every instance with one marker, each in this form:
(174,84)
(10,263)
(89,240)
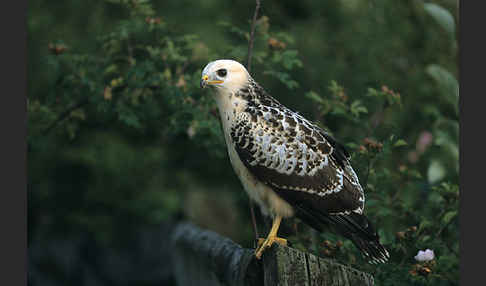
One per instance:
(288,164)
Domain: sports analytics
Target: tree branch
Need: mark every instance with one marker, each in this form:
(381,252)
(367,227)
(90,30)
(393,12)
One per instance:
(65,114)
(248,67)
(367,171)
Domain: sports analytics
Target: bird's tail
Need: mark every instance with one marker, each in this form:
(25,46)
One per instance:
(361,232)
(353,226)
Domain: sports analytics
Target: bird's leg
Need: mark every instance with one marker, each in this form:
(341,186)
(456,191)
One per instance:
(271,238)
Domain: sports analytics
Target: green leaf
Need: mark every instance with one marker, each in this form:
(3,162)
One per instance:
(435,172)
(444,78)
(284,78)
(400,142)
(314,96)
(448,143)
(352,145)
(373,92)
(335,88)
(447,83)
(111,69)
(290,60)
(442,16)
(339,110)
(425,224)
(357,108)
(449,216)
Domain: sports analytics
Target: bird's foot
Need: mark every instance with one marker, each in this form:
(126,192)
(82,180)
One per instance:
(264,243)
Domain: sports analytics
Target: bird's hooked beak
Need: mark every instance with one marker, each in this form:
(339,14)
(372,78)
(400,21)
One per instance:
(205,81)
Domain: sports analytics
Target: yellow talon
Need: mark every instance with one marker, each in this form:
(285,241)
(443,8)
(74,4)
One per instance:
(279,240)
(271,238)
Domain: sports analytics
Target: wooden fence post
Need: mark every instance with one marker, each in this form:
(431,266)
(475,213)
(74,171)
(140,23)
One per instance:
(202,257)
(285,266)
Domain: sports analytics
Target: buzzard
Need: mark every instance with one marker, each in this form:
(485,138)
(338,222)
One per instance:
(288,165)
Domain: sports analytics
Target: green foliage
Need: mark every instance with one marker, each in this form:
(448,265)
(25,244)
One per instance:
(271,57)
(398,199)
(442,16)
(120,133)
(399,202)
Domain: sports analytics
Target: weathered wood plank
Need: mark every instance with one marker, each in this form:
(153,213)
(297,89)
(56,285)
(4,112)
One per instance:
(314,271)
(285,266)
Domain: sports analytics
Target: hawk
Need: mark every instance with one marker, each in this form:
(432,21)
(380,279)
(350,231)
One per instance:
(288,165)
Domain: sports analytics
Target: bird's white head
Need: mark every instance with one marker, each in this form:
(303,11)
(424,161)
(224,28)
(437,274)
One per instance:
(224,75)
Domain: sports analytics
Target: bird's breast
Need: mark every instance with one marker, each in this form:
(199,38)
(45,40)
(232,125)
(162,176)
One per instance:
(231,112)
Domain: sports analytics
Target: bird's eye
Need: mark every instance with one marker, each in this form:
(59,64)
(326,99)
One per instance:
(222,72)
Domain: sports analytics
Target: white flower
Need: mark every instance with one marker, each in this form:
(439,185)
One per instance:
(425,255)
(191,130)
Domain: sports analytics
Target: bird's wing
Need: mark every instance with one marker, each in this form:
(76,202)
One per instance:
(297,159)
(306,167)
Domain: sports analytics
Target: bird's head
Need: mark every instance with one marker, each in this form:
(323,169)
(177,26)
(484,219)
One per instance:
(225,75)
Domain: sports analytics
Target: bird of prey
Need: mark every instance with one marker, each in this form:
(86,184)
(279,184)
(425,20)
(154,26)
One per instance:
(288,165)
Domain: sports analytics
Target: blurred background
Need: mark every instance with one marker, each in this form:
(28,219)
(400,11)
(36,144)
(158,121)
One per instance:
(122,142)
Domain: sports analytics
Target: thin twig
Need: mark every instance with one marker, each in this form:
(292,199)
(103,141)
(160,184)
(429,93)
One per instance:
(130,52)
(248,67)
(253,220)
(252,35)
(65,114)
(367,171)
(451,249)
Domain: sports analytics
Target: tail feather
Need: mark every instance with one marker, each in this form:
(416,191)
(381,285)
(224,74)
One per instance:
(361,232)
(353,226)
